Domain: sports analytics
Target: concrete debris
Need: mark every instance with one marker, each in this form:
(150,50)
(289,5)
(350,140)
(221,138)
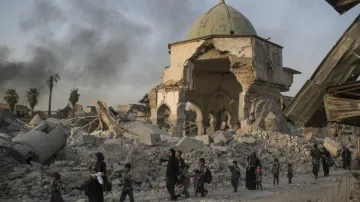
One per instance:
(332,146)
(139,163)
(145,133)
(71,152)
(187,144)
(205,139)
(246,140)
(36,120)
(42,142)
(222,137)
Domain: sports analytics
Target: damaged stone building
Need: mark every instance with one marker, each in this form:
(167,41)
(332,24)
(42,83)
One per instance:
(227,72)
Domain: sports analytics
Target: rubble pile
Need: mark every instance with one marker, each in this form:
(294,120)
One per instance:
(144,145)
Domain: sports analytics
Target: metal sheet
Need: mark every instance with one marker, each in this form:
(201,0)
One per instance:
(342,6)
(338,67)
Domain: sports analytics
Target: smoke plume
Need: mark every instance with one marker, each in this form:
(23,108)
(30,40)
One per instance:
(96,46)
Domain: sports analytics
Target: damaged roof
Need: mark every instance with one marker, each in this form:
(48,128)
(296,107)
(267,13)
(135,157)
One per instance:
(340,66)
(342,6)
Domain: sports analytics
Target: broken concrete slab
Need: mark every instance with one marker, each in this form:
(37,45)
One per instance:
(205,139)
(92,139)
(223,137)
(145,133)
(47,143)
(332,146)
(114,150)
(246,140)
(170,139)
(187,144)
(310,137)
(139,163)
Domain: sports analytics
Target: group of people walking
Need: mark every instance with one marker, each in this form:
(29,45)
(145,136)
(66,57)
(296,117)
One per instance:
(178,175)
(322,156)
(254,173)
(97,183)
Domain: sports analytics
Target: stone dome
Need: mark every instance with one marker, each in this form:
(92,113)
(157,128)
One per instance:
(221,20)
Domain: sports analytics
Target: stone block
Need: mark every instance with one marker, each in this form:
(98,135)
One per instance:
(310,137)
(246,140)
(139,163)
(332,146)
(205,139)
(91,139)
(187,144)
(223,137)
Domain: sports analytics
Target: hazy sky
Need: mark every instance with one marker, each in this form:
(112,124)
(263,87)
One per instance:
(131,37)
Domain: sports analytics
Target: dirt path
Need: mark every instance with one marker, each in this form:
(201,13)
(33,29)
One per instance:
(304,188)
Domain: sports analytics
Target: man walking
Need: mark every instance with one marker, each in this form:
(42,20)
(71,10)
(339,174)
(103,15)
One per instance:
(315,154)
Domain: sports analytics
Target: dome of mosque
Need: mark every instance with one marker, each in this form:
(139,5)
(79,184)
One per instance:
(221,20)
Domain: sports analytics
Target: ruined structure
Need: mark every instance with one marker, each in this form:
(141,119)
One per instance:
(226,72)
(332,90)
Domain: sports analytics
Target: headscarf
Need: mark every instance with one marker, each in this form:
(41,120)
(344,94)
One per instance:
(253,159)
(99,162)
(172,152)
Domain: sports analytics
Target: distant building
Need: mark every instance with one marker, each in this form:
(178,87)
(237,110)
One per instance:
(20,110)
(141,112)
(90,110)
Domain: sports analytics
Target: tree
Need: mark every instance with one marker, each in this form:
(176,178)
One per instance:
(32,98)
(73,99)
(52,79)
(145,100)
(11,97)
(146,103)
(64,113)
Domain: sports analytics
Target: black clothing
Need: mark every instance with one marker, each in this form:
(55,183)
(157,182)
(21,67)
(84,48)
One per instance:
(315,167)
(346,156)
(55,192)
(250,173)
(170,186)
(127,192)
(275,179)
(235,177)
(235,183)
(201,186)
(315,154)
(290,174)
(171,176)
(324,157)
(95,191)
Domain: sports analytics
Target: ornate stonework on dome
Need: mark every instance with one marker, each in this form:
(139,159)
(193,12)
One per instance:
(231,80)
(221,20)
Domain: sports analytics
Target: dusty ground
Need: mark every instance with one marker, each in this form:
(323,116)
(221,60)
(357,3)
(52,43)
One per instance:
(304,188)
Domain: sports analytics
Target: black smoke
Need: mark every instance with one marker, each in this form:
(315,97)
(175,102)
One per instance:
(92,44)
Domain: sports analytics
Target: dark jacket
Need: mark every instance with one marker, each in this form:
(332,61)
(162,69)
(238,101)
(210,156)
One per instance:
(172,167)
(315,153)
(325,154)
(346,154)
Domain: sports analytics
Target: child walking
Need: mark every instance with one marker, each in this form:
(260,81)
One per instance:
(56,185)
(127,185)
(276,171)
(235,175)
(195,180)
(186,180)
(259,174)
(290,173)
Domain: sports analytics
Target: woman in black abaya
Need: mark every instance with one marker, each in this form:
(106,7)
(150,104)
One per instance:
(253,162)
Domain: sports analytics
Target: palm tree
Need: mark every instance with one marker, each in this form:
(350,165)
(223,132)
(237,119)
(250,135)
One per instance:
(32,98)
(73,99)
(51,80)
(12,98)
